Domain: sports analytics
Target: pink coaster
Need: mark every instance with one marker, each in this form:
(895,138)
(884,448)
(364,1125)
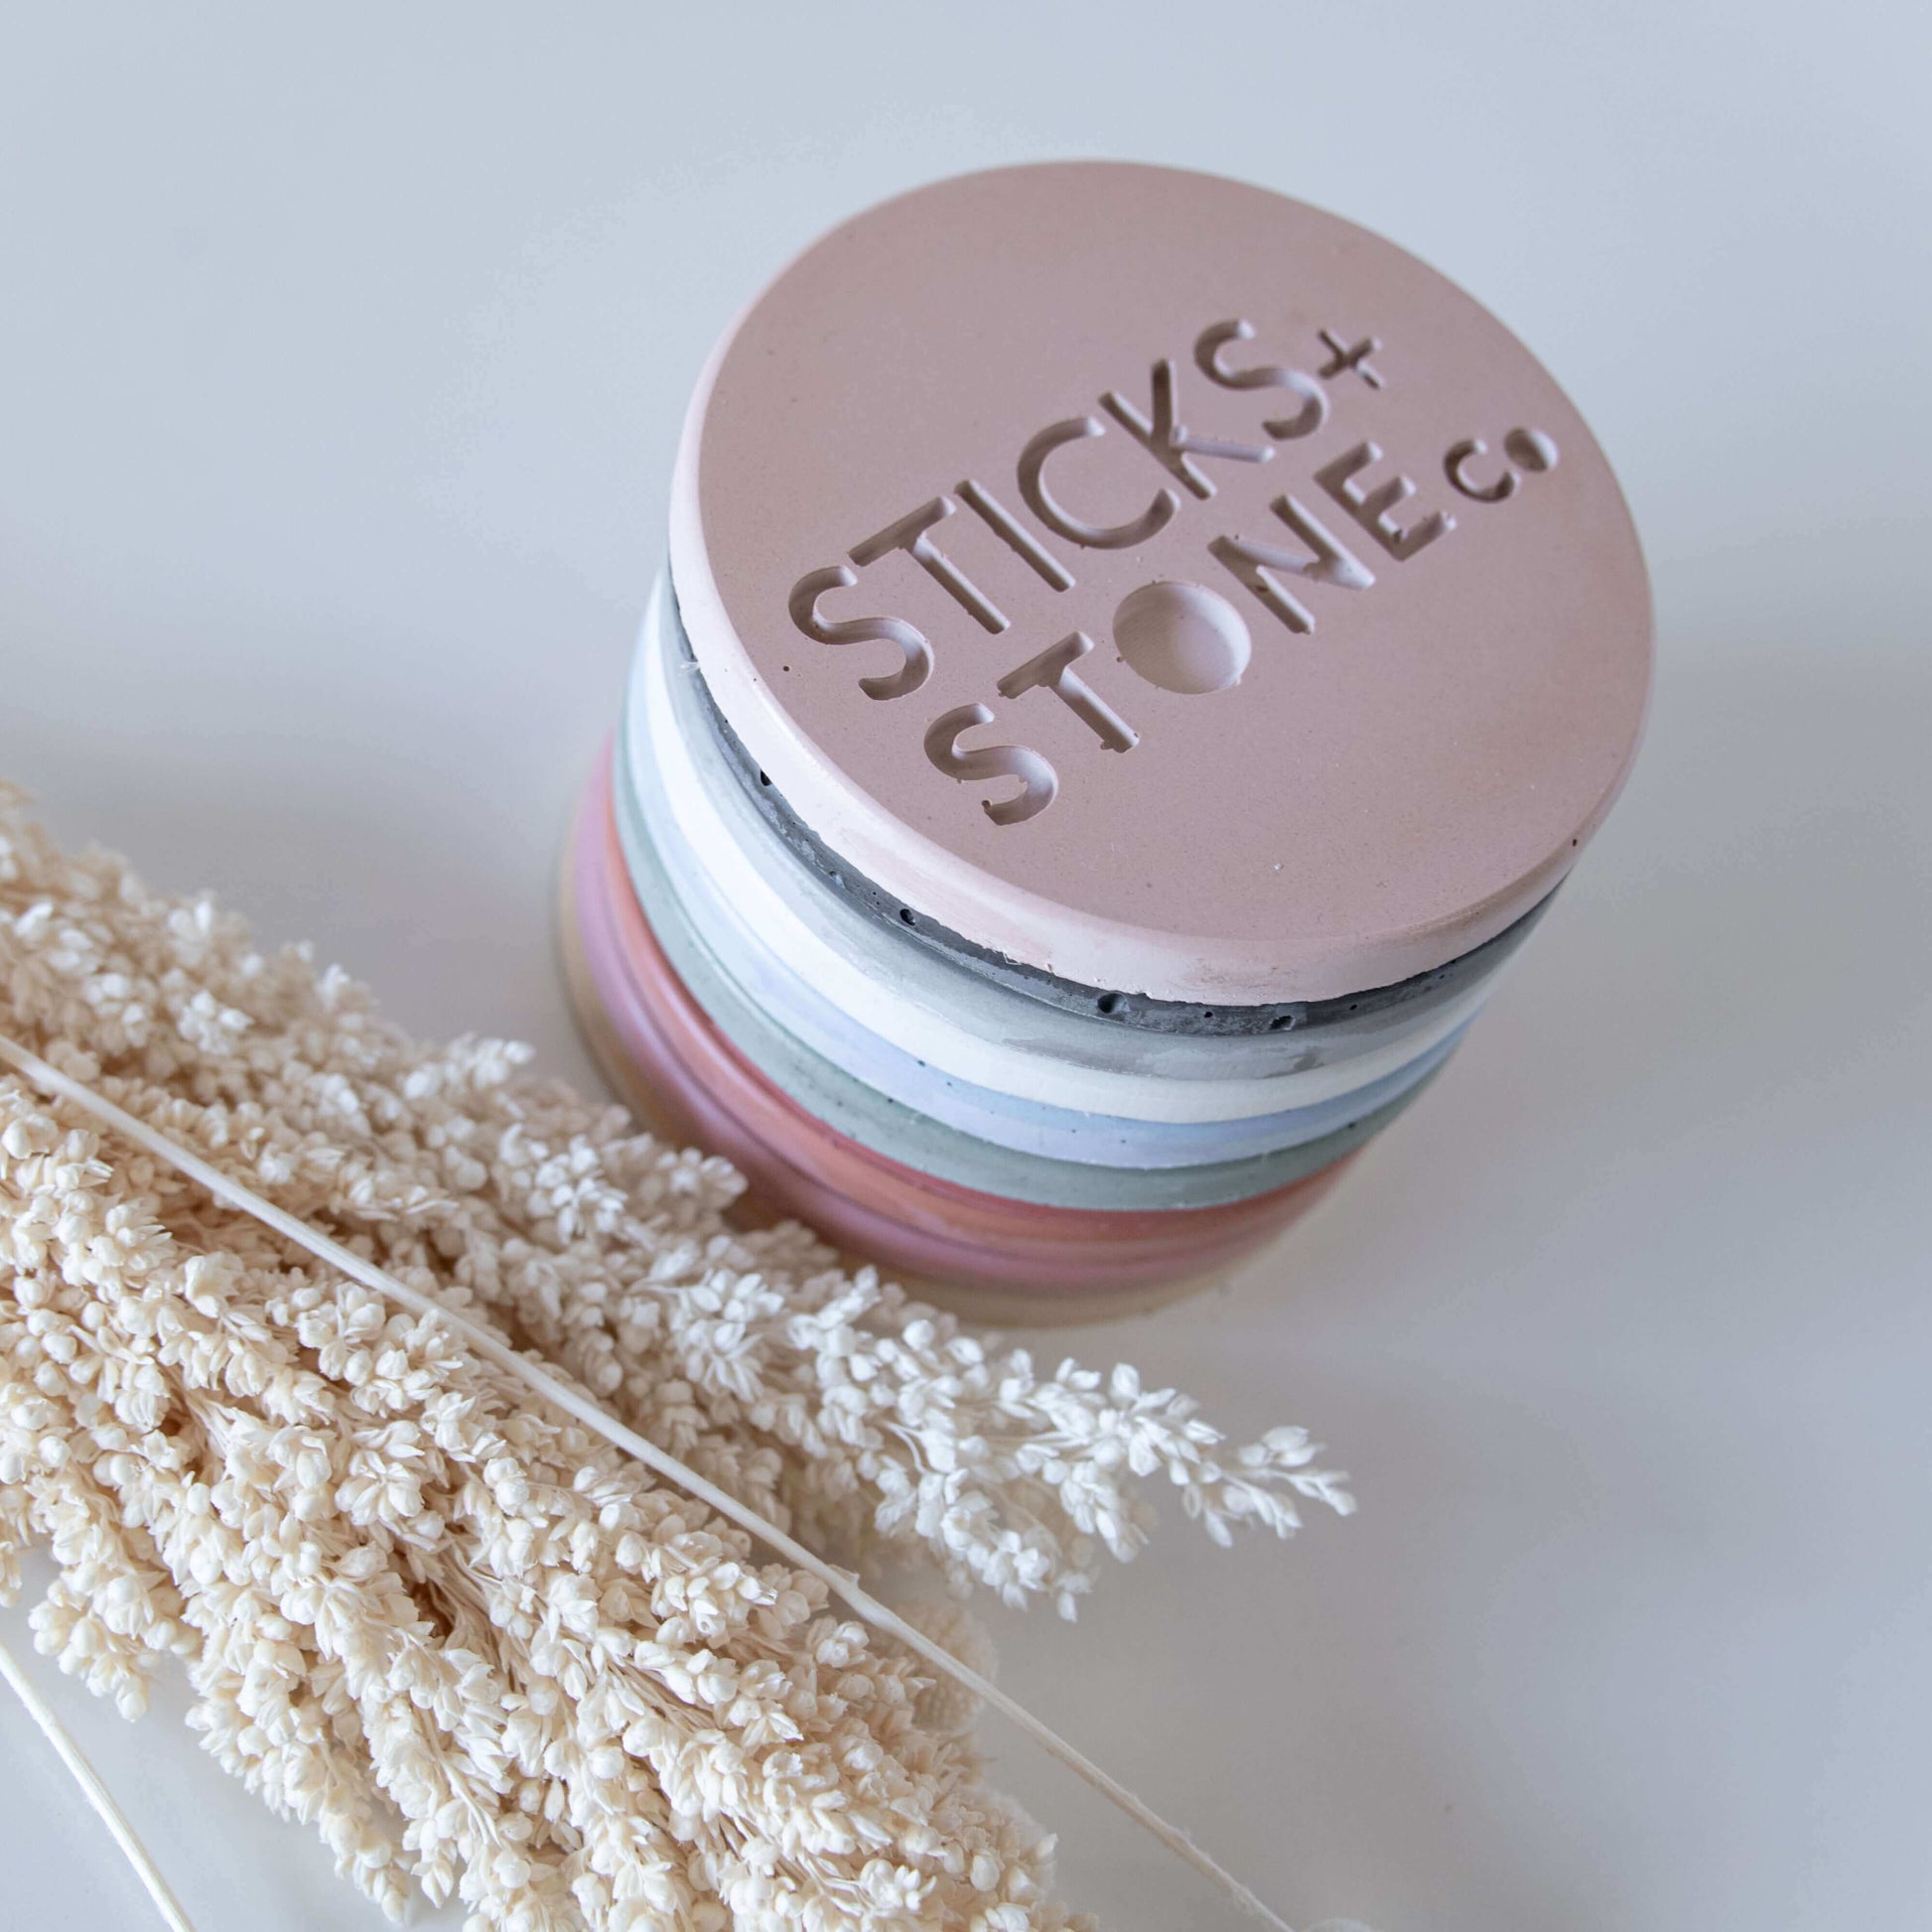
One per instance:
(1161,583)
(701,1087)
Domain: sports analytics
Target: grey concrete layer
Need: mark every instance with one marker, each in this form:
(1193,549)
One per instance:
(1413,998)
(906,1134)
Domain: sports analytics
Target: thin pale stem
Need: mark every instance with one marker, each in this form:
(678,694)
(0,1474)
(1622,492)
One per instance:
(95,1792)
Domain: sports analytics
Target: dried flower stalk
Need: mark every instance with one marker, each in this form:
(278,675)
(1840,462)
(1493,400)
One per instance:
(407,1601)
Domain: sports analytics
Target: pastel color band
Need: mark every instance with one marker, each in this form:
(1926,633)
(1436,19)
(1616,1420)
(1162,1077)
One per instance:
(917,1093)
(701,1087)
(739,888)
(1108,1169)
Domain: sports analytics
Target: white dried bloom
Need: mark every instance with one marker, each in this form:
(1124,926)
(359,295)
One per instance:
(470,1644)
(825,1399)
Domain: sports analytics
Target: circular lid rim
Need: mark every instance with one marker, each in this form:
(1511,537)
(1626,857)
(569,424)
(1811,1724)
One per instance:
(1008,919)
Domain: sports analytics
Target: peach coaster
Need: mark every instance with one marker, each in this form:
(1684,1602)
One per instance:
(1161,583)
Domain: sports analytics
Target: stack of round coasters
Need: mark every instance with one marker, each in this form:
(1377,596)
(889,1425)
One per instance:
(1137,656)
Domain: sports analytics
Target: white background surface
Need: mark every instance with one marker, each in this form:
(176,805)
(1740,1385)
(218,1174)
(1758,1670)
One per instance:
(342,353)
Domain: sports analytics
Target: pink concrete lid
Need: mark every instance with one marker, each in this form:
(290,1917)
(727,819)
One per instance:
(1161,582)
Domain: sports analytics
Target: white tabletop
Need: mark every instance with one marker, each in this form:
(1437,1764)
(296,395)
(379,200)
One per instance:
(341,354)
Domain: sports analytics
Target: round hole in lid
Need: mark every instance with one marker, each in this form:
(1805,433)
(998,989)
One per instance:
(1183,637)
